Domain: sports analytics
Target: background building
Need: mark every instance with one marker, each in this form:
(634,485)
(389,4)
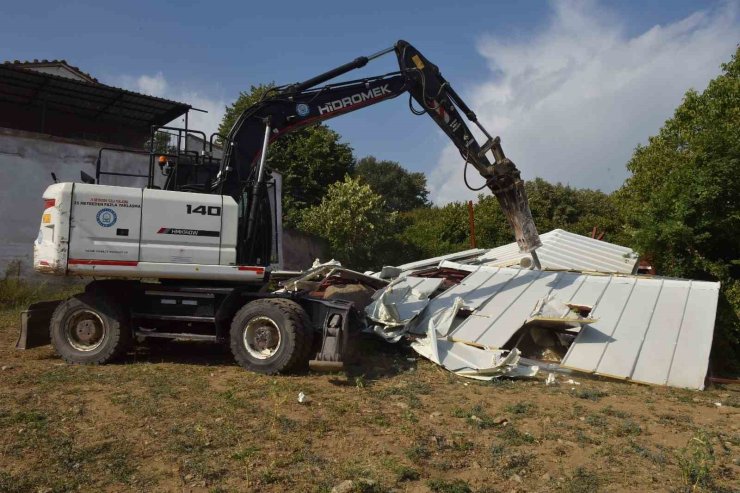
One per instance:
(54,118)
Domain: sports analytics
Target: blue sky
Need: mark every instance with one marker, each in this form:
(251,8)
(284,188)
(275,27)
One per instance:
(571,86)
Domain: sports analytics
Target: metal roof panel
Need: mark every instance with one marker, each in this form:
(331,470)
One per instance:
(648,329)
(562,250)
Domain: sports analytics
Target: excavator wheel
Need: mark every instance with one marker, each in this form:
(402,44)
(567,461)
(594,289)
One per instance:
(90,329)
(271,336)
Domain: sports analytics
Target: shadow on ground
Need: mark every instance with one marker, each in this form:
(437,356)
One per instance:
(369,358)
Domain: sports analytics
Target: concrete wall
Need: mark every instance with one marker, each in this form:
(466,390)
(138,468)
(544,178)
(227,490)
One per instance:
(301,249)
(26,163)
(59,71)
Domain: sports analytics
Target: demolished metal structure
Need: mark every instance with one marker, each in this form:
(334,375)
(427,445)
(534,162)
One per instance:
(645,329)
(484,321)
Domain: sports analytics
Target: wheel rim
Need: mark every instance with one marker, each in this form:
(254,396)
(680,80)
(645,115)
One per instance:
(85,331)
(262,337)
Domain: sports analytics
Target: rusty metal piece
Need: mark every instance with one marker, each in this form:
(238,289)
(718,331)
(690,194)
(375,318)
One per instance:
(471,221)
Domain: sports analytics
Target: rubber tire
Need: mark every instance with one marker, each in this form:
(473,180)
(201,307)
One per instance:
(296,336)
(117,339)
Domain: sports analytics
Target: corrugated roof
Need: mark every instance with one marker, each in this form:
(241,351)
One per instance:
(86,99)
(649,329)
(562,250)
(30,64)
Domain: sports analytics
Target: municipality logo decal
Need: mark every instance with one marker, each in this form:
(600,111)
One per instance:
(106,217)
(302,109)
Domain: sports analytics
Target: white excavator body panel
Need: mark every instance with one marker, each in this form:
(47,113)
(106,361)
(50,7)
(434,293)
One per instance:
(182,227)
(105,223)
(107,231)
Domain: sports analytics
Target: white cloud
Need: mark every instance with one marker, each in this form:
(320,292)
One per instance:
(152,85)
(572,102)
(157,85)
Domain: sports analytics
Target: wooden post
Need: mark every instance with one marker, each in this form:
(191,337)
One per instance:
(471,220)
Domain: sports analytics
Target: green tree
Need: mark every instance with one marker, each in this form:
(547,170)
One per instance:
(243,101)
(161,143)
(682,201)
(434,231)
(576,210)
(401,189)
(353,219)
(309,159)
(491,227)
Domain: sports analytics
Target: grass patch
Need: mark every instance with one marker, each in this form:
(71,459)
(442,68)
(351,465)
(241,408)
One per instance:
(406,473)
(245,453)
(514,461)
(410,392)
(590,394)
(615,413)
(523,408)
(696,461)
(582,438)
(518,461)
(286,424)
(514,437)
(14,484)
(582,481)
(658,457)
(16,293)
(628,428)
(28,419)
(445,486)
(596,420)
(497,450)
(476,417)
(418,452)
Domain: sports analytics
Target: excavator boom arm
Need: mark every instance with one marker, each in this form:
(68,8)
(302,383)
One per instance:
(291,107)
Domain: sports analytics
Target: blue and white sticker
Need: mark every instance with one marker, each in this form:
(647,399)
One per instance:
(106,217)
(302,109)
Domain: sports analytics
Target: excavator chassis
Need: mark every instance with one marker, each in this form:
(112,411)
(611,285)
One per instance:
(200,313)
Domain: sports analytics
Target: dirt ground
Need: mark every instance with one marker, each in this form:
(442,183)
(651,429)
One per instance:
(183,417)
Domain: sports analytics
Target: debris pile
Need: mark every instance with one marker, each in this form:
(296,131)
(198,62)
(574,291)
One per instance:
(486,313)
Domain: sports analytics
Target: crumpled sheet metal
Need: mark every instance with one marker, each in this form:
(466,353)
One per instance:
(472,362)
(469,361)
(431,262)
(398,305)
(401,300)
(319,272)
(552,312)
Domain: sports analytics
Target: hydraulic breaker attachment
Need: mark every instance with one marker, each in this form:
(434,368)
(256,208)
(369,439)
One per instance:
(506,184)
(35,325)
(335,340)
(515,205)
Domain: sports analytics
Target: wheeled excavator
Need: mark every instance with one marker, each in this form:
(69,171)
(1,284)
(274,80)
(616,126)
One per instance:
(190,258)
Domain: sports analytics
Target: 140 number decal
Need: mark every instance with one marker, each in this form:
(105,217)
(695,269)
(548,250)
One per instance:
(211,210)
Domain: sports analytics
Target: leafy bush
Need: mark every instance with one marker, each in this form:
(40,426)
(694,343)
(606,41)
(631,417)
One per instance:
(681,204)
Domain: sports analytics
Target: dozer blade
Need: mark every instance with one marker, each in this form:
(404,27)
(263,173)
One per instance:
(35,325)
